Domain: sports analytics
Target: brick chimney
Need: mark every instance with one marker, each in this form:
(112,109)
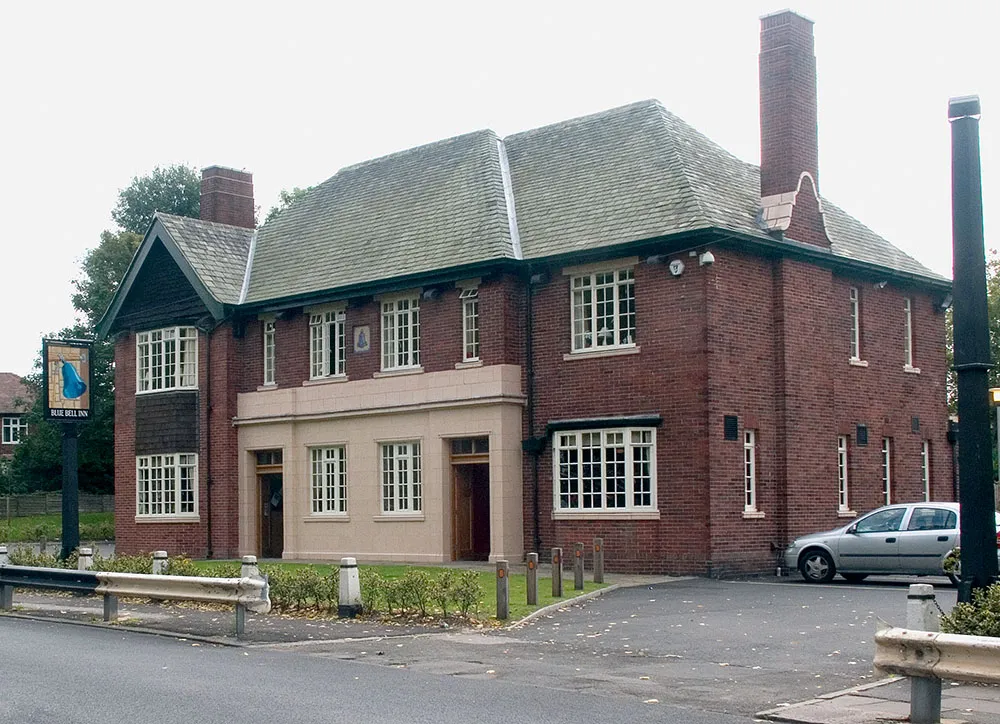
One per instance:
(789,149)
(227,196)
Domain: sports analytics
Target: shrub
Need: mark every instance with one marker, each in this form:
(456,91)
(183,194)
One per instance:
(28,557)
(468,591)
(416,588)
(443,589)
(979,618)
(97,531)
(372,590)
(124,564)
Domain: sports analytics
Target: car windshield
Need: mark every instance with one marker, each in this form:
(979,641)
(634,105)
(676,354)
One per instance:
(881,521)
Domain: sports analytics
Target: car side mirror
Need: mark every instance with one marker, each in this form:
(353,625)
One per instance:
(853,530)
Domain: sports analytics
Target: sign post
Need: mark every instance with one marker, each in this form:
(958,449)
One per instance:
(66,380)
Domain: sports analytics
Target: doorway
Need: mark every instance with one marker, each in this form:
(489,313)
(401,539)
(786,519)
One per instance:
(470,520)
(271,503)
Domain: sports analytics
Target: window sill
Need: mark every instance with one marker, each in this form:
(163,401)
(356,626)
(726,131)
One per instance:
(577,514)
(909,369)
(399,518)
(142,519)
(332,379)
(265,388)
(855,362)
(592,353)
(847,514)
(169,389)
(753,514)
(468,365)
(398,372)
(327,518)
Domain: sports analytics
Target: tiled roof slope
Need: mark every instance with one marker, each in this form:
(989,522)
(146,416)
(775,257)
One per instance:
(639,172)
(15,396)
(217,253)
(627,174)
(428,208)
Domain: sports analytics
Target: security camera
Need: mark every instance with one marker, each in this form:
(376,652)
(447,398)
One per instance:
(706,257)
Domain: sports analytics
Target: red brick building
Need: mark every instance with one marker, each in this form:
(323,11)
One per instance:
(483,346)
(15,400)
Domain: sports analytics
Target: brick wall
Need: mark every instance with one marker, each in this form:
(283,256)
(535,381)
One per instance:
(765,340)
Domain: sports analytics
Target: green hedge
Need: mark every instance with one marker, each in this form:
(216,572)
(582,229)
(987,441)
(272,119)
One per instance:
(308,588)
(979,618)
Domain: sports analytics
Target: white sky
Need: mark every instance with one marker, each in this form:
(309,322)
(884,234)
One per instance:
(93,94)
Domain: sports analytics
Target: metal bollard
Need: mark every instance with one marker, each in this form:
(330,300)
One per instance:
(503,591)
(110,607)
(925,692)
(6,592)
(578,566)
(159,562)
(85,561)
(598,560)
(557,591)
(531,579)
(350,589)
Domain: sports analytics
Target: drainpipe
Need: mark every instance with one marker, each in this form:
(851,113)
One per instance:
(535,450)
(208,440)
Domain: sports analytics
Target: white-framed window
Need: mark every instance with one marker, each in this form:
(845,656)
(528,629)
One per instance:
(887,469)
(401,333)
(470,324)
(13,427)
(925,468)
(402,491)
(327,344)
(842,503)
(605,470)
(328,477)
(269,352)
(166,486)
(603,310)
(166,359)
(749,471)
(855,324)
(908,332)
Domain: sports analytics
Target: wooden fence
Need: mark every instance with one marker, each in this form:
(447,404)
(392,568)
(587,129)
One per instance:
(17,506)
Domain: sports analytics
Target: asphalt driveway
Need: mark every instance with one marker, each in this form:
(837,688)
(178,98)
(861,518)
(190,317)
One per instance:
(727,646)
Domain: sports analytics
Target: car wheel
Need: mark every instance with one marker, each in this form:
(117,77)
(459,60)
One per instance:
(816,566)
(854,577)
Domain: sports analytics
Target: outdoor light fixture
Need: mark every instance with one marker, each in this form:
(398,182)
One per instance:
(946,302)
(881,284)
(656,259)
(705,258)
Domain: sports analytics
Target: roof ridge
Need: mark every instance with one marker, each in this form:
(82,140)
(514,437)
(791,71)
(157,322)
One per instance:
(589,117)
(414,149)
(206,222)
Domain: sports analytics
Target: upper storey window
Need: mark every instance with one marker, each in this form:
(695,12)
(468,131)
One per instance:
(401,333)
(166,359)
(327,344)
(603,310)
(470,324)
(855,324)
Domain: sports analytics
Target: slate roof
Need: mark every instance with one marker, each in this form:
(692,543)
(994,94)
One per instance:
(427,208)
(627,174)
(13,390)
(217,253)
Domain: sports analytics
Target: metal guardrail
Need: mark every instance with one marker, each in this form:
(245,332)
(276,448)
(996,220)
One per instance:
(927,654)
(250,592)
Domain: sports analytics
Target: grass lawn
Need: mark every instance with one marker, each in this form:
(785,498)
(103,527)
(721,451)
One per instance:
(32,528)
(487,580)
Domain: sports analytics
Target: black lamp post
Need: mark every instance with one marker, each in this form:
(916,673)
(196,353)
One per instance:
(972,351)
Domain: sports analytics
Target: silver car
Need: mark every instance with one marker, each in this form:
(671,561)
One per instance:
(910,538)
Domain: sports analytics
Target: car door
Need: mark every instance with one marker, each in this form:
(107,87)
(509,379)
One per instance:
(872,544)
(928,535)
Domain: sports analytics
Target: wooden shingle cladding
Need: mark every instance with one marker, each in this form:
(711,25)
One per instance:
(166,422)
(160,295)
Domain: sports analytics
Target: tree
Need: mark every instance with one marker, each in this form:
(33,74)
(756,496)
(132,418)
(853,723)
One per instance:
(37,462)
(173,190)
(285,199)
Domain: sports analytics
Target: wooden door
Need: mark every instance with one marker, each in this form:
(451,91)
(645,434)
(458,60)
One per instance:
(272,530)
